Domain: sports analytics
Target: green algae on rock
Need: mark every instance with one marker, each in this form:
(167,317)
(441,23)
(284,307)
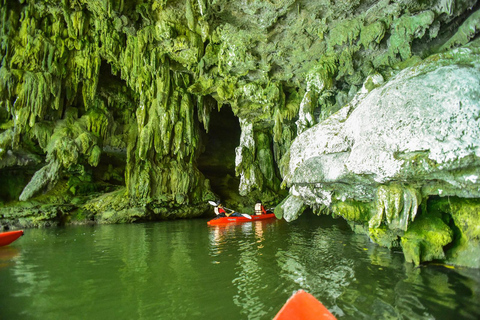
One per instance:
(425,240)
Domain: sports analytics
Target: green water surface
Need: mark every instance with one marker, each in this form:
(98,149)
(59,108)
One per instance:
(188,270)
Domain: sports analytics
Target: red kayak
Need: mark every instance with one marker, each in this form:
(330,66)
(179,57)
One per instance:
(303,306)
(8,237)
(225,220)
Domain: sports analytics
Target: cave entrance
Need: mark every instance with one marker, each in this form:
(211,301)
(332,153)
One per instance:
(217,162)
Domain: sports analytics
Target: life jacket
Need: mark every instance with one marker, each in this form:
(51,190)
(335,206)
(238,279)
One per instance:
(259,209)
(218,210)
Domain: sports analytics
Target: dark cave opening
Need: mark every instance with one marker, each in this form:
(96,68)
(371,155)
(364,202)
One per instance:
(217,162)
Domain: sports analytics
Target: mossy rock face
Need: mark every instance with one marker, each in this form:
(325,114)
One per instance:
(352,210)
(81,80)
(466,217)
(123,216)
(46,210)
(396,206)
(465,220)
(425,239)
(385,237)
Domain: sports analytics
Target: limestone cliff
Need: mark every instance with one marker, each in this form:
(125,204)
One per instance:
(118,111)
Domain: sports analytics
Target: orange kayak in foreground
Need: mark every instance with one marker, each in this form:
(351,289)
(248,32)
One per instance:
(303,306)
(225,220)
(8,237)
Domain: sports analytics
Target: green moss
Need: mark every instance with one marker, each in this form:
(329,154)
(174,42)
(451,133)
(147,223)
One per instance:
(465,214)
(286,111)
(352,210)
(370,84)
(345,62)
(235,51)
(226,89)
(465,221)
(42,132)
(80,77)
(97,122)
(372,34)
(323,74)
(396,205)
(425,239)
(346,32)
(80,182)
(265,161)
(6,139)
(385,237)
(405,29)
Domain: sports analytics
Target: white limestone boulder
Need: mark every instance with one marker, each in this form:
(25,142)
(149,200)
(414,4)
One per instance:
(420,128)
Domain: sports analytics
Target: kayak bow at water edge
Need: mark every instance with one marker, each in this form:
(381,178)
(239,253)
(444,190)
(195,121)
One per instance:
(8,237)
(303,306)
(226,220)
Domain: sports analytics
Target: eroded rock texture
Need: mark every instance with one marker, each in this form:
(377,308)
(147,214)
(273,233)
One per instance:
(118,111)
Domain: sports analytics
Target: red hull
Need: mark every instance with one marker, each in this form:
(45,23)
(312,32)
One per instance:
(8,237)
(225,220)
(303,306)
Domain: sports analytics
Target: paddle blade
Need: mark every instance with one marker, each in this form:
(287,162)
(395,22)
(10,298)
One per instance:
(212,203)
(247,216)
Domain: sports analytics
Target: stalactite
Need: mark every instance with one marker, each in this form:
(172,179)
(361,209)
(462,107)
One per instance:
(319,78)
(244,159)
(396,206)
(467,31)
(406,29)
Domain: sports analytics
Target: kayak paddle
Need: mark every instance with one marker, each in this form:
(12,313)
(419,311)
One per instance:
(212,203)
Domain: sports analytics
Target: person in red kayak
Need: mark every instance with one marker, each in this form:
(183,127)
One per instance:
(220,211)
(259,208)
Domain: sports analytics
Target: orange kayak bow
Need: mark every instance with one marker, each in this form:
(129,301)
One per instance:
(8,237)
(303,306)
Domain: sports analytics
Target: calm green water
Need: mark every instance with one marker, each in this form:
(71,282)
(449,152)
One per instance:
(188,270)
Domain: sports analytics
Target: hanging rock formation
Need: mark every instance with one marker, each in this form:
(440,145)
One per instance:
(364,109)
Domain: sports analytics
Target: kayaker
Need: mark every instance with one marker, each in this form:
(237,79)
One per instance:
(259,208)
(220,212)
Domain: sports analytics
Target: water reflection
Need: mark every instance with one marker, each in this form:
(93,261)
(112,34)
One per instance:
(352,277)
(188,270)
(438,288)
(7,255)
(250,273)
(332,271)
(223,235)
